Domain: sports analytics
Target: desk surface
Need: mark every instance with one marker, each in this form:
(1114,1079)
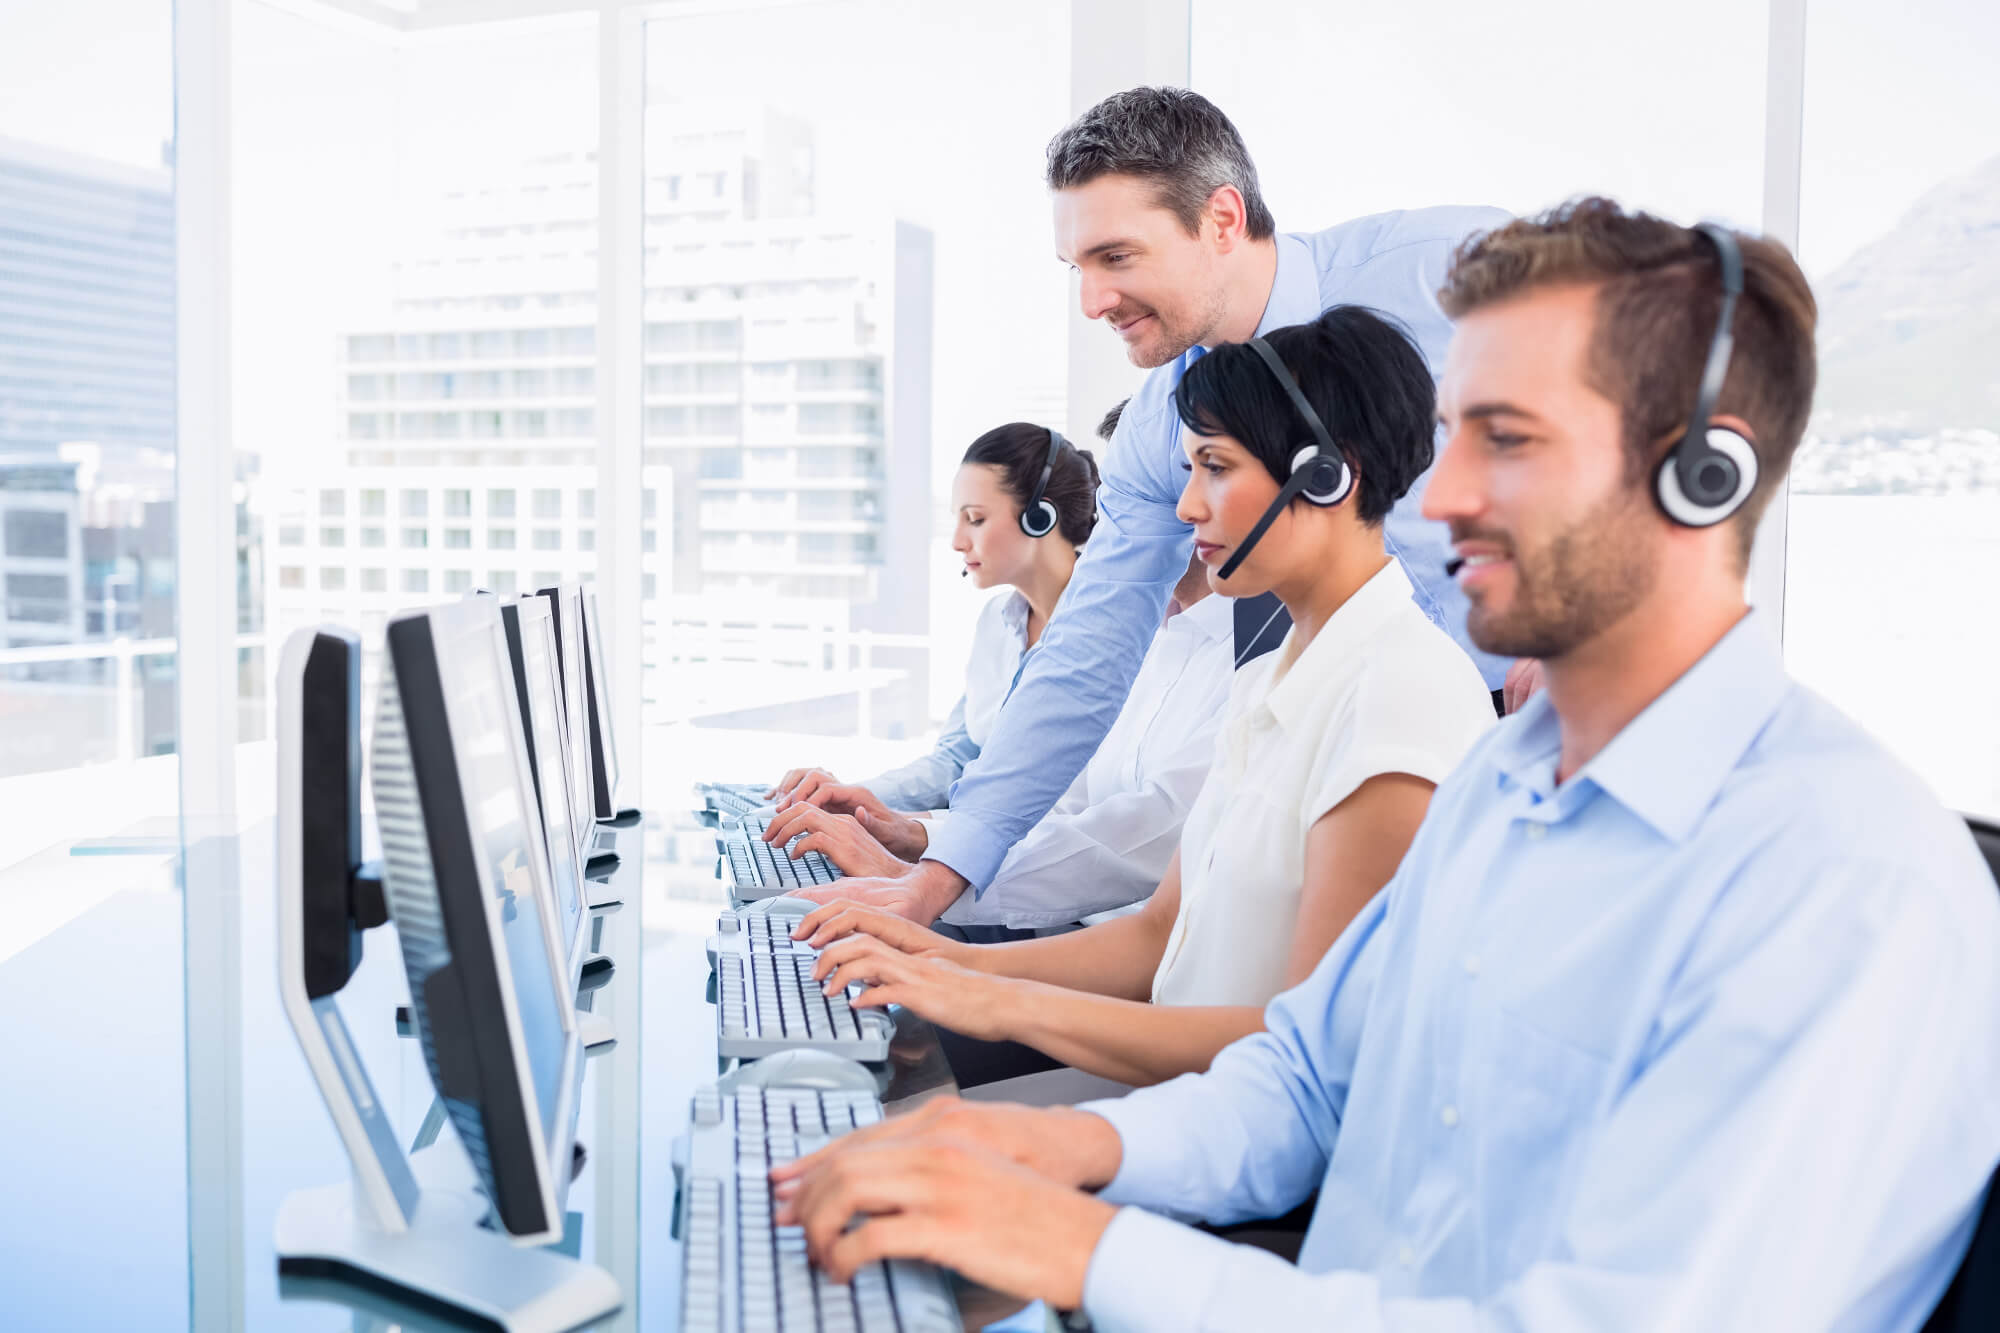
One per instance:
(105,1228)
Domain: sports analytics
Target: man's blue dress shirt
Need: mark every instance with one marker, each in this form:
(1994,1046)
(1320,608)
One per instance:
(1071,688)
(1708,1037)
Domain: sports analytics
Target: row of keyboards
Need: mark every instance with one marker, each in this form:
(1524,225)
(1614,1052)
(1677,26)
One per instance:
(802,1077)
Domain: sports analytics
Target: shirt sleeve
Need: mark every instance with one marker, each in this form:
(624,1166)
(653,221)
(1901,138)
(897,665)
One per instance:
(1418,712)
(925,782)
(1111,853)
(1816,1100)
(1269,1108)
(1072,686)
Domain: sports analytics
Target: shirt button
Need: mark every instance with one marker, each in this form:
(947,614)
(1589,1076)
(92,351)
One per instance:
(1449,1117)
(1471,965)
(1407,1257)
(1537,831)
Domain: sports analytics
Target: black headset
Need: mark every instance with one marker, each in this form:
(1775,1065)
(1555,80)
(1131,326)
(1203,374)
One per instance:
(1038,516)
(1711,470)
(1320,474)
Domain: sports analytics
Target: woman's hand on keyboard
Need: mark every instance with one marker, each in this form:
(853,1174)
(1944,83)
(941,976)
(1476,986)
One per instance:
(838,920)
(974,1004)
(795,778)
(839,838)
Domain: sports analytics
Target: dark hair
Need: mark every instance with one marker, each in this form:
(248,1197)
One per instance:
(1109,426)
(1176,139)
(1361,373)
(1020,449)
(1659,295)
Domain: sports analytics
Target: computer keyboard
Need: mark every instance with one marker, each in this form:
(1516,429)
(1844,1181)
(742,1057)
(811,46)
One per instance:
(756,869)
(742,1271)
(767,1000)
(733,798)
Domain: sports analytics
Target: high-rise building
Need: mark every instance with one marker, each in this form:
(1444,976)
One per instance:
(786,409)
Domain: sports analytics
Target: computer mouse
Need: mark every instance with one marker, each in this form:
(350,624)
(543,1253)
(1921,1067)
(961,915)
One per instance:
(820,1070)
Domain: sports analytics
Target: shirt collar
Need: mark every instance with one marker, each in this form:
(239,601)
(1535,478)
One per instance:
(1668,764)
(1214,616)
(1014,614)
(1294,289)
(1322,662)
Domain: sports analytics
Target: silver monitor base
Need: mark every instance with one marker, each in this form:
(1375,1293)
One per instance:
(445,1256)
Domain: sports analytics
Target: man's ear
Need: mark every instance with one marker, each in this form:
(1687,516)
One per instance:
(1226,212)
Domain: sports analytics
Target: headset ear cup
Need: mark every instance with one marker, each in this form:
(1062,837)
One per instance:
(1735,462)
(1039,521)
(1328,480)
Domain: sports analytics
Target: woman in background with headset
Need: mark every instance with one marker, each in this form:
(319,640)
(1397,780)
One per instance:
(1022,503)
(1297,446)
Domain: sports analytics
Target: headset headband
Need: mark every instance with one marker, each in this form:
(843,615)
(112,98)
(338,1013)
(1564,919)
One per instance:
(1687,460)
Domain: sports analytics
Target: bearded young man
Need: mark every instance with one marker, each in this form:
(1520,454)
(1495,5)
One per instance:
(1158,209)
(1683,1011)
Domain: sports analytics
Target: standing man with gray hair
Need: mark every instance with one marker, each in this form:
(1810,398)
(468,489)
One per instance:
(1158,210)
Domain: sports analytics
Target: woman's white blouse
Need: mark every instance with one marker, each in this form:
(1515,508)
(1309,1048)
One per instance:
(1380,689)
(999,640)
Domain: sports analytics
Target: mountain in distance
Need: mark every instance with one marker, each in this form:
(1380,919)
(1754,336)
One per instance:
(1909,340)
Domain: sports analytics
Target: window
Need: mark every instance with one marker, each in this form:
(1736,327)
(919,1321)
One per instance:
(416,539)
(291,576)
(374,537)
(289,534)
(500,539)
(417,581)
(332,578)
(548,539)
(500,504)
(1894,515)
(586,503)
(374,503)
(416,504)
(458,504)
(489,343)
(374,580)
(548,503)
(502,581)
(333,536)
(332,504)
(545,578)
(458,539)
(586,539)
(457,581)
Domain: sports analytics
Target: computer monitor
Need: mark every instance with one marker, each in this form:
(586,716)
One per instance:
(603,752)
(530,631)
(566,604)
(467,878)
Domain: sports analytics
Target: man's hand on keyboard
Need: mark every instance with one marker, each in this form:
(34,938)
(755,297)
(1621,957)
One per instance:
(905,836)
(973,1004)
(988,1189)
(919,894)
(793,777)
(839,838)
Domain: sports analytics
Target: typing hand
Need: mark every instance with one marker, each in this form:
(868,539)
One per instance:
(976,1004)
(839,837)
(838,920)
(919,894)
(905,836)
(1061,1144)
(1523,679)
(793,778)
(949,1201)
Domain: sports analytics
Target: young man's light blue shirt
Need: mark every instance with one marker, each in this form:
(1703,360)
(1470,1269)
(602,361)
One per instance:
(1070,690)
(1708,1037)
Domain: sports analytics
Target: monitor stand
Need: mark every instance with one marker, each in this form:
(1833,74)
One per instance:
(396,1222)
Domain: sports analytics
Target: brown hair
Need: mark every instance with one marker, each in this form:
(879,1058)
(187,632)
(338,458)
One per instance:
(1659,295)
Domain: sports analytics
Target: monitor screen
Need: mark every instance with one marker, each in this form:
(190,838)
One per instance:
(550,739)
(569,625)
(600,705)
(493,776)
